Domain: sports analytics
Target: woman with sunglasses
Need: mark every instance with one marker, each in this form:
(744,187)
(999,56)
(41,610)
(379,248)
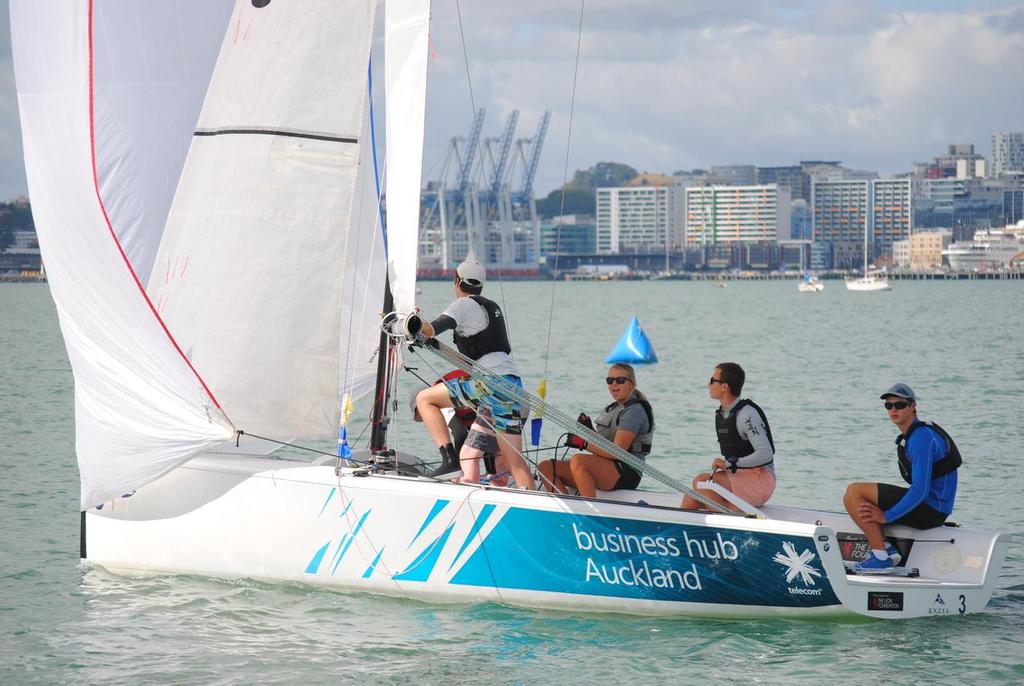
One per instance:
(628,422)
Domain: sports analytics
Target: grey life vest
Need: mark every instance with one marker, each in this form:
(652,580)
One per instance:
(607,423)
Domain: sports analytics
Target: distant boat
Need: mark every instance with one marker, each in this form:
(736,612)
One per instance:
(991,249)
(810,284)
(871,281)
(868,283)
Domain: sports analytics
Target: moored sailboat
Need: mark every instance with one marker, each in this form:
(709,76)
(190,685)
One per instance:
(173,378)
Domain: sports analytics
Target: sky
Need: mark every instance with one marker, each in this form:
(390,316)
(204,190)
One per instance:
(666,85)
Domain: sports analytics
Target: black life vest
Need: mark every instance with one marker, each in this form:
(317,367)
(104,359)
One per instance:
(732,445)
(946,465)
(492,339)
(608,423)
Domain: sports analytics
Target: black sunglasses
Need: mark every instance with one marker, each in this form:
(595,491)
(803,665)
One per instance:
(898,405)
(616,379)
(714,380)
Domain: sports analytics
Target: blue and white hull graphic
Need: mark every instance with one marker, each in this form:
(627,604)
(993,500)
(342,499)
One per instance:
(276,520)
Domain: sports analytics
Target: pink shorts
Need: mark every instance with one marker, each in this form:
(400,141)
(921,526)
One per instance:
(753,485)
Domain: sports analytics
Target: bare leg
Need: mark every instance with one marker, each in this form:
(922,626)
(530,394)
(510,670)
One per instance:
(429,402)
(591,472)
(721,478)
(857,494)
(469,458)
(511,446)
(557,475)
(500,468)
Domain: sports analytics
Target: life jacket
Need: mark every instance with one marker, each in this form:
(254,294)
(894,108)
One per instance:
(493,338)
(607,423)
(732,445)
(946,465)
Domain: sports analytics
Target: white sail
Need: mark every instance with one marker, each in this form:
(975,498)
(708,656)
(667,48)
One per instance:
(151,69)
(406,36)
(140,410)
(250,270)
(365,268)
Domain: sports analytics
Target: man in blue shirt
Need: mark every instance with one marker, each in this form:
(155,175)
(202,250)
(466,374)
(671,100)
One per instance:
(928,461)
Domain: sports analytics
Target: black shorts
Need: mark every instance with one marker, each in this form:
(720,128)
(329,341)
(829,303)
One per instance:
(923,516)
(629,478)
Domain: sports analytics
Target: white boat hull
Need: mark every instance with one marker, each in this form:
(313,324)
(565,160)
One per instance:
(868,285)
(276,520)
(810,287)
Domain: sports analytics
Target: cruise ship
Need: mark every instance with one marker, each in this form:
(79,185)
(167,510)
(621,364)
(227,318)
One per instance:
(991,249)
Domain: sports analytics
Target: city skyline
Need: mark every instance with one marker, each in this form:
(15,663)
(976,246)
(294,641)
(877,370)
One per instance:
(666,86)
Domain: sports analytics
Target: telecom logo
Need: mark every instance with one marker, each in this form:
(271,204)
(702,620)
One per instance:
(798,565)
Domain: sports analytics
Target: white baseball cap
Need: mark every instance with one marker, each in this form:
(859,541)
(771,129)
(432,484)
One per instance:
(472,272)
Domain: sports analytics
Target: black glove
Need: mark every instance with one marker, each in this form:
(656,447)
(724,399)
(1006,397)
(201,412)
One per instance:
(577,442)
(585,421)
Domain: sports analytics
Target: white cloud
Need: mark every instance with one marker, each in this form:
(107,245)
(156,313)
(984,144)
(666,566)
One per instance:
(665,85)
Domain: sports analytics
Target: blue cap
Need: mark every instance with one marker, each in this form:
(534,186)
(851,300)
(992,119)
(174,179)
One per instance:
(901,390)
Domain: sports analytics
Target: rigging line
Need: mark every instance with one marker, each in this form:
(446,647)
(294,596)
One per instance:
(565,178)
(348,376)
(465,57)
(472,102)
(500,386)
(239,433)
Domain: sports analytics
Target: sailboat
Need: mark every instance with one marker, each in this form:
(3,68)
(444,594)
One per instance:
(868,281)
(810,284)
(219,273)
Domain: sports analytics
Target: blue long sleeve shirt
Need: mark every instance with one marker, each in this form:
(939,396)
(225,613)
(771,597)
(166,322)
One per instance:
(924,449)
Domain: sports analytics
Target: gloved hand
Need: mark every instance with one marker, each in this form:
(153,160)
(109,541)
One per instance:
(585,421)
(577,442)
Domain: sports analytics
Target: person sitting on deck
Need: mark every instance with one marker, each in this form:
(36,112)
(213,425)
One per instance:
(628,422)
(748,451)
(928,461)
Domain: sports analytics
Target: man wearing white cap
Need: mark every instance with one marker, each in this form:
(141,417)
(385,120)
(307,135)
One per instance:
(928,461)
(479,332)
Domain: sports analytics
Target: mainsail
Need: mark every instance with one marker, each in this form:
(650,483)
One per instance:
(101,173)
(251,270)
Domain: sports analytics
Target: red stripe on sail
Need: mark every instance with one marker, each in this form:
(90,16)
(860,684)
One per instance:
(110,227)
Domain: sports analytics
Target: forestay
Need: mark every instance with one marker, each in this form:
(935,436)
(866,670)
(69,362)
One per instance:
(101,168)
(251,269)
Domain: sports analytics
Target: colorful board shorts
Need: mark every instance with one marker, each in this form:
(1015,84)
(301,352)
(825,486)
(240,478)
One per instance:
(754,485)
(469,391)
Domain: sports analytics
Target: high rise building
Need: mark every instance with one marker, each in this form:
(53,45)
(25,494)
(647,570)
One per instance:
(844,210)
(1007,152)
(568,234)
(791,177)
(726,214)
(639,218)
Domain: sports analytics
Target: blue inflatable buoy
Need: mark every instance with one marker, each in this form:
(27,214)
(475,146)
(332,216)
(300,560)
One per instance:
(633,347)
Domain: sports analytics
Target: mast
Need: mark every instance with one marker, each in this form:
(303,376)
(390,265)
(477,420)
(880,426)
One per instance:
(381,390)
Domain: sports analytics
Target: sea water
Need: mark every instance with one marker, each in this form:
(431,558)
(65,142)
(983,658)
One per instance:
(815,362)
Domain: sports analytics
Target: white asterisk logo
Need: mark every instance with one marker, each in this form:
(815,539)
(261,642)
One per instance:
(797,565)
